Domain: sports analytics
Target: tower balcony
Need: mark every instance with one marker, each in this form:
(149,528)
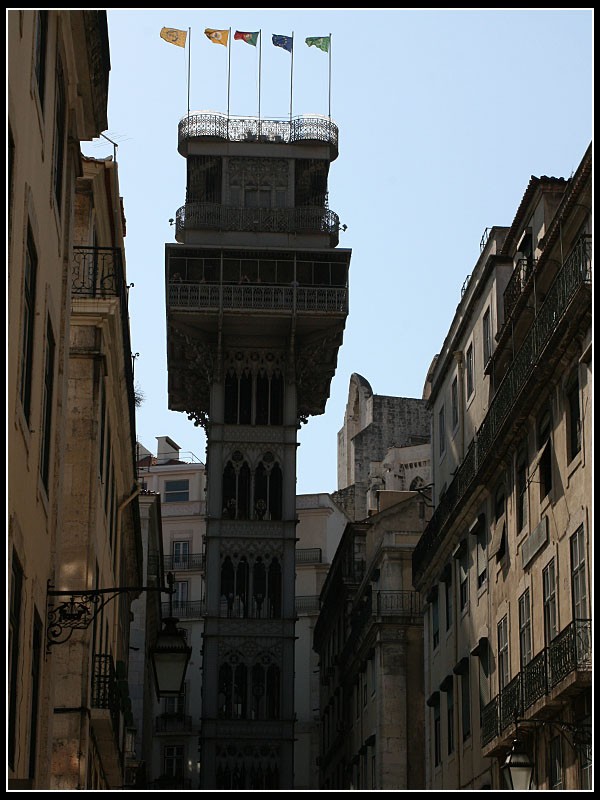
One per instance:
(228,219)
(306,129)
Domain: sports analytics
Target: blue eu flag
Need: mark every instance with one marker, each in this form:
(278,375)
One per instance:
(283,41)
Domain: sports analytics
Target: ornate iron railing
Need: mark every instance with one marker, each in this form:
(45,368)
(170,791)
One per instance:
(213,216)
(187,561)
(308,555)
(252,129)
(575,273)
(186,609)
(398,602)
(105,691)
(519,280)
(173,723)
(568,652)
(214,297)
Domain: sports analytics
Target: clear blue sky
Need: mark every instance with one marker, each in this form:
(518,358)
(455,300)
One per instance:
(444,115)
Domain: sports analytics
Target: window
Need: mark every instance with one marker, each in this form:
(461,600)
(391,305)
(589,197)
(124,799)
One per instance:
(41,43)
(435,618)
(177,491)
(549,589)
(173,761)
(14,643)
(29,286)
(442,429)
(503,659)
(578,579)
(545,454)
(449,590)
(181,555)
(450,716)
(175,705)
(521,474)
(555,763)
(437,733)
(180,592)
(465,690)
(573,417)
(470,374)
(60,124)
(482,558)
(454,399)
(463,568)
(525,628)
(500,524)
(47,406)
(487,336)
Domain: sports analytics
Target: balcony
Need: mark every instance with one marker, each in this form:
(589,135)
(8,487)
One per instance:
(307,604)
(217,217)
(398,603)
(184,563)
(173,723)
(518,284)
(105,716)
(308,555)
(187,609)
(573,278)
(568,654)
(298,130)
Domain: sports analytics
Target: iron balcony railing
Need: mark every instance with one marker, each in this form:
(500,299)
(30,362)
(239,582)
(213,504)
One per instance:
(184,609)
(568,652)
(105,691)
(181,563)
(398,603)
(299,129)
(307,604)
(308,555)
(216,297)
(519,281)
(575,274)
(173,723)
(97,273)
(214,216)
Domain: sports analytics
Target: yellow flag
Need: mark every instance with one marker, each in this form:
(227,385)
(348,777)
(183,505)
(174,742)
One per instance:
(174,36)
(218,37)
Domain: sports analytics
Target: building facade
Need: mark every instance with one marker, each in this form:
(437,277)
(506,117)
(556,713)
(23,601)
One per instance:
(72,510)
(369,634)
(256,308)
(505,562)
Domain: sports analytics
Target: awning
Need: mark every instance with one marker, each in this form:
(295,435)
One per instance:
(461,667)
(498,537)
(477,525)
(446,684)
(536,461)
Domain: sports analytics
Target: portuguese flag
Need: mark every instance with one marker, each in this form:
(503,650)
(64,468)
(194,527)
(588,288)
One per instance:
(249,38)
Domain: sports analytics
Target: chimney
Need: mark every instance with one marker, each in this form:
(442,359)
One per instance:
(166,449)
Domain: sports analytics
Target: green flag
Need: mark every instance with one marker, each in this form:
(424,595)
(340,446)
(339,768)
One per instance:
(322,42)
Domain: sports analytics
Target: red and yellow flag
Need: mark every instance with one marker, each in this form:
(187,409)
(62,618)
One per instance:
(216,36)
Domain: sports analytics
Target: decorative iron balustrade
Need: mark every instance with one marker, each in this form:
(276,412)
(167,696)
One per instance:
(309,555)
(252,129)
(105,691)
(307,604)
(173,723)
(185,609)
(568,652)
(519,281)
(575,273)
(180,563)
(216,297)
(398,602)
(213,216)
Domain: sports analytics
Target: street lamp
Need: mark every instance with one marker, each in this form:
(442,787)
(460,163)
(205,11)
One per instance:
(517,768)
(170,654)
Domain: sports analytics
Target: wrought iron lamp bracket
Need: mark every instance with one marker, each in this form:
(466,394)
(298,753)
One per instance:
(79,609)
(580,734)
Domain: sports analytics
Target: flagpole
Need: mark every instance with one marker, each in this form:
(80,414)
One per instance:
(292,78)
(329,77)
(228,77)
(189,65)
(259,68)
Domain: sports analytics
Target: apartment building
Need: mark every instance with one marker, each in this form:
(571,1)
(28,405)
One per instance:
(504,565)
(73,521)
